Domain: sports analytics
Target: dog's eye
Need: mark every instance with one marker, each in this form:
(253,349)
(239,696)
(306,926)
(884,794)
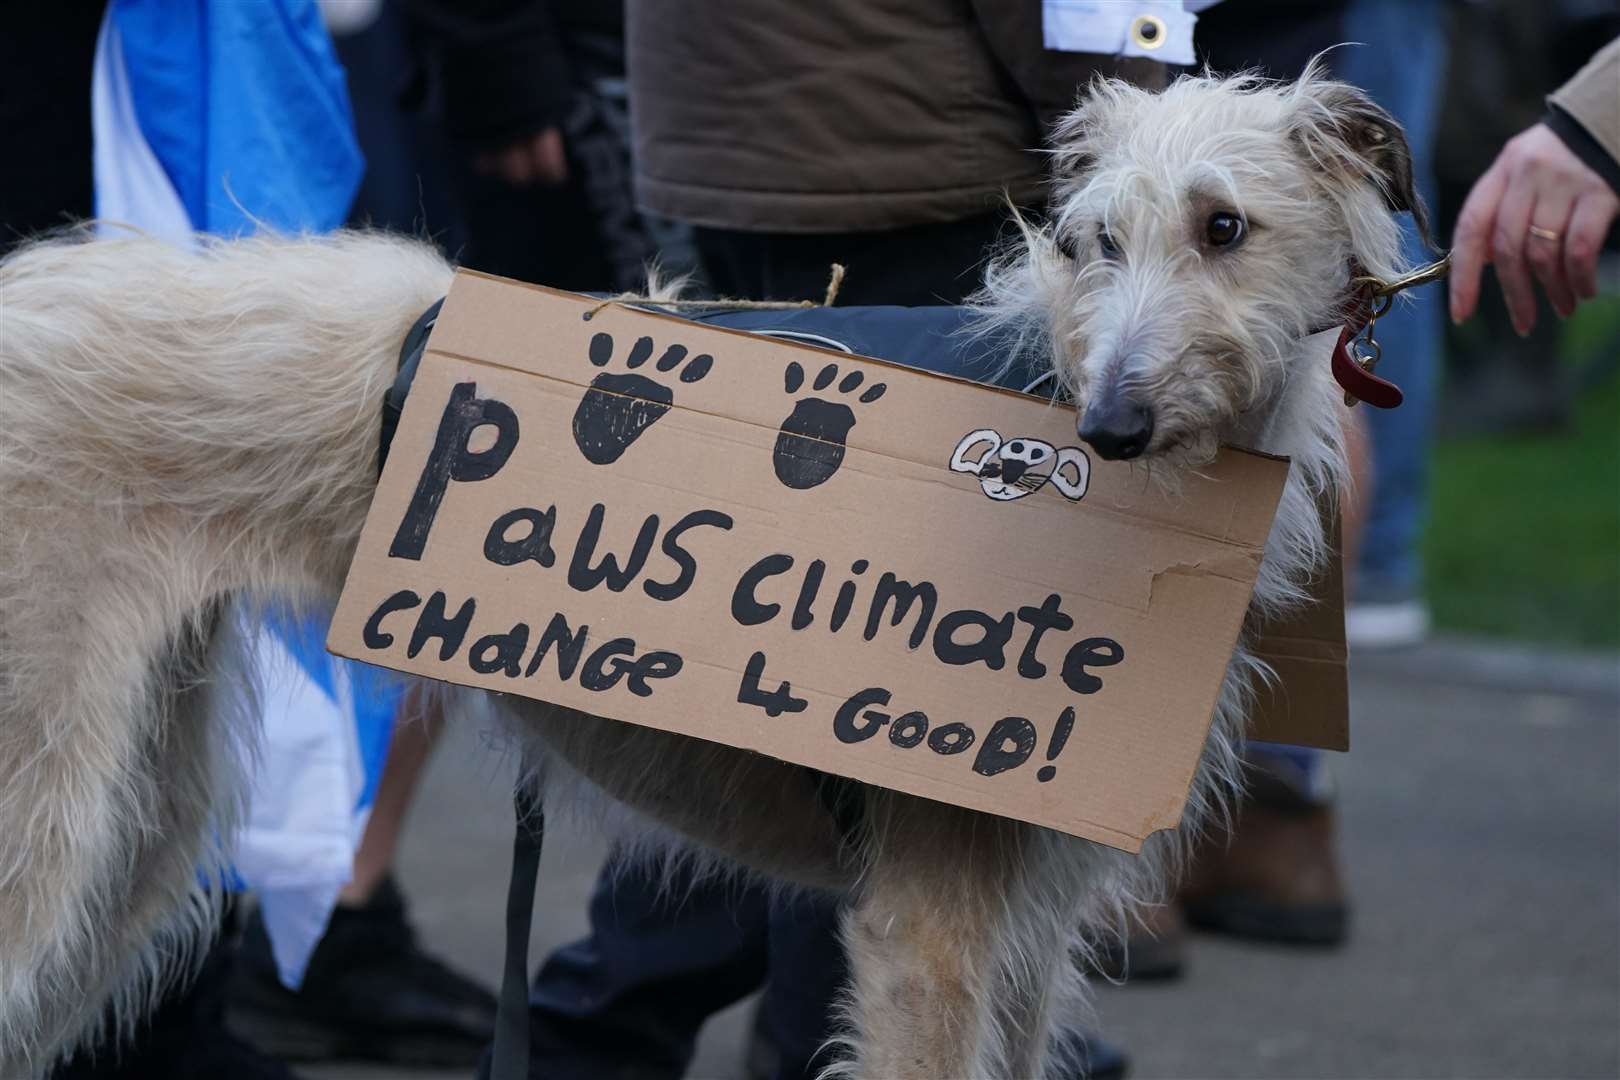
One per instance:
(1105,241)
(1224,230)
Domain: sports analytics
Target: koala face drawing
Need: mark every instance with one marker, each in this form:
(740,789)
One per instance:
(1013,468)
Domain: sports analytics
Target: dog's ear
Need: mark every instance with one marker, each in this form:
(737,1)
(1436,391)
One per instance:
(1101,117)
(1349,135)
(1069,145)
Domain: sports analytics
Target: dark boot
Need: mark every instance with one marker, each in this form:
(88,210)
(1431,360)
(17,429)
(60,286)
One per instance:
(369,993)
(1153,950)
(1275,877)
(1087,1057)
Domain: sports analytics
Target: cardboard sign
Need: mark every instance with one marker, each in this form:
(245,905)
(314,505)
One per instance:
(891,575)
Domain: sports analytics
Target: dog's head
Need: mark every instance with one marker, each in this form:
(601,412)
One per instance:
(1195,236)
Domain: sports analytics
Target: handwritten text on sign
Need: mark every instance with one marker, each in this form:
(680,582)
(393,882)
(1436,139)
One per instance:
(863,568)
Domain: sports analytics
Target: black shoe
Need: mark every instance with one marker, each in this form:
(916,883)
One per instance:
(184,1038)
(369,993)
(1086,1057)
(1153,950)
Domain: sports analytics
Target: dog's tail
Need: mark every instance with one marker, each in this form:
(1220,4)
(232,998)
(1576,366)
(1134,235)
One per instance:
(176,428)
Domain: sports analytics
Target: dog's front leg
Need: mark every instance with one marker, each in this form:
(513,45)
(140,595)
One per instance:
(1027,1007)
(918,963)
(928,940)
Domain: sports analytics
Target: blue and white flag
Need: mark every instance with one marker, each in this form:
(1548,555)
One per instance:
(223,117)
(244,107)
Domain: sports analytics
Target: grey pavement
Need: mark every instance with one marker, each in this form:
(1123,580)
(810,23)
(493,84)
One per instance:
(1481,832)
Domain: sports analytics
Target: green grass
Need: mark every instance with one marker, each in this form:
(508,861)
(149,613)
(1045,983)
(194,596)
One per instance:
(1524,531)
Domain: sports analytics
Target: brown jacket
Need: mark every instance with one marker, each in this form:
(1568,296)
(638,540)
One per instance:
(844,115)
(1592,100)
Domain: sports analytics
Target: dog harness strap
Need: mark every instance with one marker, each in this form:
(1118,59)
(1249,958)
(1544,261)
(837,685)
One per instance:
(511,1057)
(410,357)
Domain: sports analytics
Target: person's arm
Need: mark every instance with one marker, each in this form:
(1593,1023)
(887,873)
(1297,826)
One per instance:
(1585,112)
(505,81)
(1543,208)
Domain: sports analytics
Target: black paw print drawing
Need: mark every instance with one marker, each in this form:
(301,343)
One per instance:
(619,406)
(810,446)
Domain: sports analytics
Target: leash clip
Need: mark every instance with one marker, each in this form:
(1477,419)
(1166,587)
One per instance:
(1365,352)
(1358,352)
(1379,289)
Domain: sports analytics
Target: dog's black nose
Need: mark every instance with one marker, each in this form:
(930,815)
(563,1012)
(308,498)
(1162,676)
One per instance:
(1117,428)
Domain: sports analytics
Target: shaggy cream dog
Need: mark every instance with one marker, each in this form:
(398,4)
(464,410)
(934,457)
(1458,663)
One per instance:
(179,430)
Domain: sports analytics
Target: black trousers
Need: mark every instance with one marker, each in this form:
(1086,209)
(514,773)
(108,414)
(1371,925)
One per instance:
(46,54)
(917,266)
(629,1000)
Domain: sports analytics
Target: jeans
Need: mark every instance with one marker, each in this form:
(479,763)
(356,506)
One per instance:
(1403,66)
(628,1000)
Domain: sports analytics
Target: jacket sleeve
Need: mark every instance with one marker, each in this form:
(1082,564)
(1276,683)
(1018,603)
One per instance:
(1585,113)
(500,65)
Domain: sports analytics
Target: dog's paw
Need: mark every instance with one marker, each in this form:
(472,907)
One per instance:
(619,406)
(810,444)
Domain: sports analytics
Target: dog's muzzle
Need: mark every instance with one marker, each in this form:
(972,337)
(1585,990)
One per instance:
(1117,426)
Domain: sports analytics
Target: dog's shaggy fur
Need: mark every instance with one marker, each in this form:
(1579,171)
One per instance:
(182,429)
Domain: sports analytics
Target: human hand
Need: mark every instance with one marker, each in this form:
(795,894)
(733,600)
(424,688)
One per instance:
(537,158)
(1539,210)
